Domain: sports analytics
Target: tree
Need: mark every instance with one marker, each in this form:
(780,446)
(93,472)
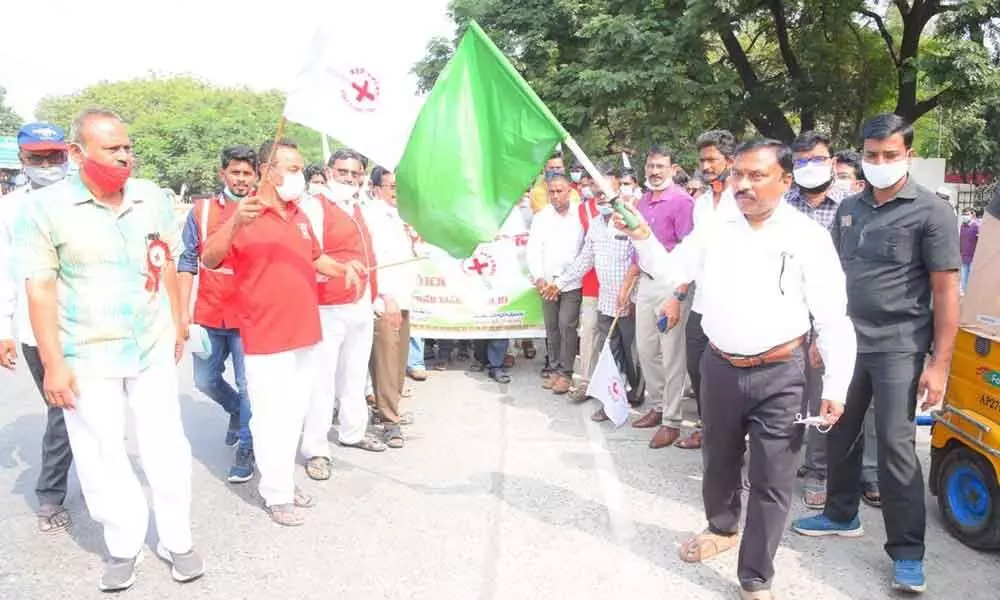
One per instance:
(638,70)
(10,122)
(178,125)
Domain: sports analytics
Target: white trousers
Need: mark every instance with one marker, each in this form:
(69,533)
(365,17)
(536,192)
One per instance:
(279,386)
(342,373)
(589,351)
(662,356)
(114,496)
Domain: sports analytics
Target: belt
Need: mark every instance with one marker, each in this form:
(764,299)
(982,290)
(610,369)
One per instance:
(778,354)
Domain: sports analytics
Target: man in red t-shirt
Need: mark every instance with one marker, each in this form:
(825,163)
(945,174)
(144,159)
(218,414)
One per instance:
(274,256)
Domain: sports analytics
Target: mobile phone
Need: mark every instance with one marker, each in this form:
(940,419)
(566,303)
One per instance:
(627,214)
(662,323)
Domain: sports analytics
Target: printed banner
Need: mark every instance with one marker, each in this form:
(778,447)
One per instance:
(486,296)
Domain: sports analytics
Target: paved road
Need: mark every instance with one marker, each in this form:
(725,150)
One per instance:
(499,494)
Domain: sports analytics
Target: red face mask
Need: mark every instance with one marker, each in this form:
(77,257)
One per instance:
(108,179)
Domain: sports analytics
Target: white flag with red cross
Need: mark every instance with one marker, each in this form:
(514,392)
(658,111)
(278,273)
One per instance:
(608,386)
(350,89)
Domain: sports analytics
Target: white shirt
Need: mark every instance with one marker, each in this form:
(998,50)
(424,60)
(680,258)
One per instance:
(553,244)
(759,287)
(13,295)
(392,244)
(708,214)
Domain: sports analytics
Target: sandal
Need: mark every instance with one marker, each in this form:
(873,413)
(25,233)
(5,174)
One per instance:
(318,468)
(705,545)
(53,519)
(499,376)
(871,495)
(285,515)
(302,499)
(528,348)
(368,443)
(394,437)
(508,361)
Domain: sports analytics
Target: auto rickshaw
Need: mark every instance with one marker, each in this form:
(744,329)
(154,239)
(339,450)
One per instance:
(965,434)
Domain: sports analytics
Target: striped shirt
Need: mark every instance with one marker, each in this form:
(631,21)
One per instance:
(109,324)
(610,253)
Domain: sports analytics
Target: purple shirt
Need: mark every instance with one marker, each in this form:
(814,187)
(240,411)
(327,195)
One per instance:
(670,216)
(968,236)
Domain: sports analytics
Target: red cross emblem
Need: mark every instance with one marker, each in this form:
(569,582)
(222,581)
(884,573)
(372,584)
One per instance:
(616,391)
(362,90)
(481,264)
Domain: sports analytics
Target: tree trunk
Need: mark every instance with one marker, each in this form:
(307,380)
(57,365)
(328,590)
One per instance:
(766,115)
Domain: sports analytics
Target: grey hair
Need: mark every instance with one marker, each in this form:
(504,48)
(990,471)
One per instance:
(85,115)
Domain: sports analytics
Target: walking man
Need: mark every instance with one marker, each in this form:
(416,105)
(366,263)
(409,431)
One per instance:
(761,275)
(898,244)
(42,150)
(275,257)
(215,306)
(99,252)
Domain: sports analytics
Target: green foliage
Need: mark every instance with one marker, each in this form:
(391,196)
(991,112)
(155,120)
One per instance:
(622,73)
(178,125)
(10,122)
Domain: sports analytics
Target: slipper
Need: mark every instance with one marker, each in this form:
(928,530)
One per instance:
(871,495)
(368,443)
(285,515)
(318,468)
(53,519)
(302,499)
(705,545)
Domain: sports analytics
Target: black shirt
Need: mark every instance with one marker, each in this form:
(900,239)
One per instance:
(888,253)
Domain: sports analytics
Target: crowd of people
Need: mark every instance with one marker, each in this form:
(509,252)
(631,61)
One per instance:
(786,290)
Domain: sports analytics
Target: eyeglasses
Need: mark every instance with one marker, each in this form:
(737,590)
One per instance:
(386,186)
(812,160)
(36,159)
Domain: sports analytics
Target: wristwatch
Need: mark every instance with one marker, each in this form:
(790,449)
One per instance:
(681,296)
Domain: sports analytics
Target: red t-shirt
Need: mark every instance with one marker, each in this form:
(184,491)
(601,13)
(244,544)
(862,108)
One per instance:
(272,260)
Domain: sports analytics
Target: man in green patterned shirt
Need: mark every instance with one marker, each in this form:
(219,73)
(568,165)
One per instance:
(98,252)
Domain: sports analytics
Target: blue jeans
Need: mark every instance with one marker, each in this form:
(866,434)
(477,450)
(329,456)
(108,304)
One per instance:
(208,378)
(415,360)
(490,353)
(966,269)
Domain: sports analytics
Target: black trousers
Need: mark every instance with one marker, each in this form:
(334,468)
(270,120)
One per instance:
(889,379)
(56,453)
(696,341)
(762,402)
(624,350)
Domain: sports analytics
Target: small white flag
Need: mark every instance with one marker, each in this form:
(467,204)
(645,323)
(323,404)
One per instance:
(351,91)
(626,163)
(608,386)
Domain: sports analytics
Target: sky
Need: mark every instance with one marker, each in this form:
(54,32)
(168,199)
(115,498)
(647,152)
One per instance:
(55,47)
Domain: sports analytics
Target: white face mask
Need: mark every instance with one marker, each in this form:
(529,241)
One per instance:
(626,191)
(342,192)
(811,177)
(887,175)
(292,187)
(662,186)
(318,189)
(43,176)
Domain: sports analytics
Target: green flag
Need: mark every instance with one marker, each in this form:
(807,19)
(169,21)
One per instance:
(480,140)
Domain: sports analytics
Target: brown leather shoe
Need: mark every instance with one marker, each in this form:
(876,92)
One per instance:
(562,385)
(664,437)
(549,381)
(691,442)
(651,419)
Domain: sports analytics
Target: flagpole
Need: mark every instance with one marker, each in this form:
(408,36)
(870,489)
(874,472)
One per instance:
(398,263)
(614,323)
(326,148)
(589,166)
